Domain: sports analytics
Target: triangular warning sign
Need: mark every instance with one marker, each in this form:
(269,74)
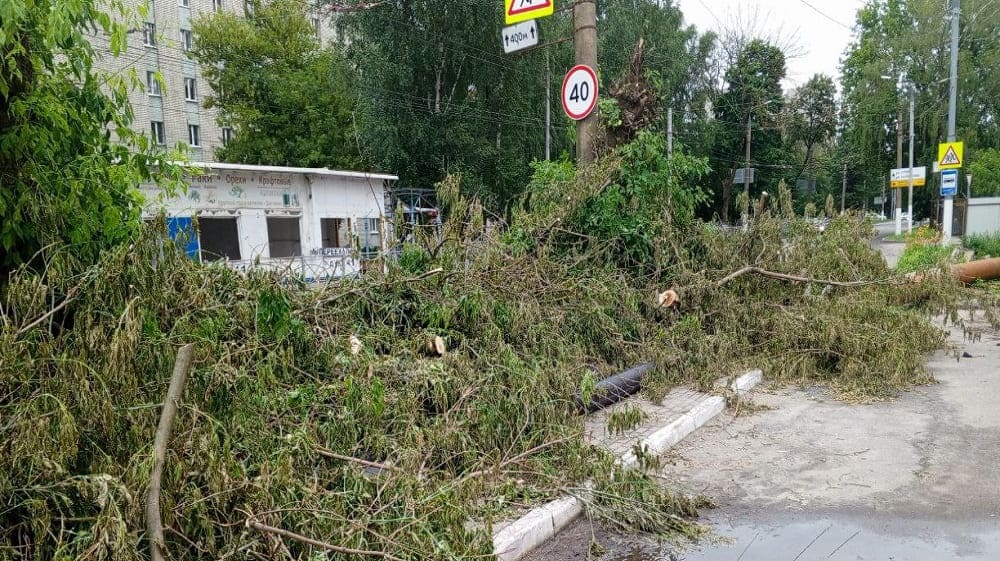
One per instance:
(951,158)
(518,7)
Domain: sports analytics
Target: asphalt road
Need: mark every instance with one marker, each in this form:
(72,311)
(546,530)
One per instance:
(812,478)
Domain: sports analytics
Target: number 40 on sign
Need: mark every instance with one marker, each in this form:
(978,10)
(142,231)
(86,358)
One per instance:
(579,92)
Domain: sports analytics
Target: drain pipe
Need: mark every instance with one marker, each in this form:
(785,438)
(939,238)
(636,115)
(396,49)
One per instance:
(610,391)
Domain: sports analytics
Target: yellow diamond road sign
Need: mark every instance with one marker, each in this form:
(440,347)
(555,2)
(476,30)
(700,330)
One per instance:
(951,155)
(516,11)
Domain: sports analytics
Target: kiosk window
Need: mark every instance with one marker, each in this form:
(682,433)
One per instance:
(219,239)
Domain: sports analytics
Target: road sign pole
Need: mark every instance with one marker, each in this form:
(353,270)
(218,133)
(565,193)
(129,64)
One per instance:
(548,108)
(912,137)
(585,39)
(952,115)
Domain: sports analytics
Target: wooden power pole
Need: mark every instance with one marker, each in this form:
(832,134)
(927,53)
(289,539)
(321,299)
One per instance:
(585,40)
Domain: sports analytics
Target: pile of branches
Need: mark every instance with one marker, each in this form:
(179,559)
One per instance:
(396,416)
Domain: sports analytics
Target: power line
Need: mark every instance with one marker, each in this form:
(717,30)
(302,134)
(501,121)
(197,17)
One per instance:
(827,16)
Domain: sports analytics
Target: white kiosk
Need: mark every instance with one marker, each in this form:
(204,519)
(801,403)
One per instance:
(315,223)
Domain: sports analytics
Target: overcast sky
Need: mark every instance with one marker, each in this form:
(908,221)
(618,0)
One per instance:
(821,38)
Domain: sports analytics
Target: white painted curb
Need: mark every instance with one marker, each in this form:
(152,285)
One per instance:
(535,528)
(540,525)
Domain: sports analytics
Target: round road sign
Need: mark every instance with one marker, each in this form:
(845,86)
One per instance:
(579,92)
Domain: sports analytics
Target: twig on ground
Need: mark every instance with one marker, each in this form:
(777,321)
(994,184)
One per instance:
(154,524)
(791,278)
(327,546)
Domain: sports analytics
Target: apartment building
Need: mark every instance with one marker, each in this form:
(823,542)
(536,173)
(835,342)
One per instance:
(175,113)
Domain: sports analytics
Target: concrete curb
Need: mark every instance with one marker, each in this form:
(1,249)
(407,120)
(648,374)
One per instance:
(540,525)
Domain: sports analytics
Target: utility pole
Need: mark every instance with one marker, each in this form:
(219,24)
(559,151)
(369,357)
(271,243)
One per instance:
(843,191)
(548,108)
(949,201)
(670,131)
(897,194)
(909,221)
(585,41)
(746,171)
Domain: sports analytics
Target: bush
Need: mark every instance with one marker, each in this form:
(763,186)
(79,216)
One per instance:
(985,245)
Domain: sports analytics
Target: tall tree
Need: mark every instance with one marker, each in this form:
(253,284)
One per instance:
(69,163)
(437,94)
(812,115)
(753,99)
(290,101)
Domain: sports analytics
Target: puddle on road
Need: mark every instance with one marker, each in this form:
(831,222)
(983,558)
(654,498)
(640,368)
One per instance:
(833,540)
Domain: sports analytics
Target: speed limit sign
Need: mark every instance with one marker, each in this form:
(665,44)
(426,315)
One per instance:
(579,92)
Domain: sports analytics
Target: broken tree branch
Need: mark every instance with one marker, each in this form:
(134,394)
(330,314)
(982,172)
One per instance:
(791,278)
(327,546)
(154,524)
(330,454)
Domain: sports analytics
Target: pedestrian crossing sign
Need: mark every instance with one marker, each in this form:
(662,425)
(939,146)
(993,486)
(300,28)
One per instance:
(951,155)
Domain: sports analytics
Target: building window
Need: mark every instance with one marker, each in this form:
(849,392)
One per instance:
(368,235)
(284,237)
(149,34)
(217,5)
(190,89)
(336,232)
(152,84)
(227,135)
(194,133)
(159,135)
(316,27)
(249,6)
(185,3)
(187,40)
(219,239)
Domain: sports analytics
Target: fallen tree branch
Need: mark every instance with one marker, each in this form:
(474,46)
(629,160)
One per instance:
(329,454)
(791,278)
(70,296)
(154,524)
(327,546)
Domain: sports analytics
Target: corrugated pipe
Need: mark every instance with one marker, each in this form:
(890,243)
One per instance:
(610,391)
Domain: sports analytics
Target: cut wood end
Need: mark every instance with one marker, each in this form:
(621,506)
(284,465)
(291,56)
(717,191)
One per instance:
(667,299)
(356,345)
(439,346)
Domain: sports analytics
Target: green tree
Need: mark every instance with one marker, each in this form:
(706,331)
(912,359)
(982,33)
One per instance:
(753,98)
(812,116)
(985,171)
(290,101)
(69,163)
(438,96)
(912,37)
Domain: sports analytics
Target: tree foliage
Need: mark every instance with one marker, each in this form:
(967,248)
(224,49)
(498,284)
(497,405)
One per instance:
(290,100)
(813,115)
(69,163)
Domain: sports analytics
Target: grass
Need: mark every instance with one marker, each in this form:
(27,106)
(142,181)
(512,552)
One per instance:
(920,257)
(984,245)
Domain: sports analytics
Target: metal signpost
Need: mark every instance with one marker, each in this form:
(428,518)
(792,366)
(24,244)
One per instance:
(949,183)
(900,178)
(520,36)
(516,11)
(579,92)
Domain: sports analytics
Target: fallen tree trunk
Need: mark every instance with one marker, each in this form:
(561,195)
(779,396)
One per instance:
(984,269)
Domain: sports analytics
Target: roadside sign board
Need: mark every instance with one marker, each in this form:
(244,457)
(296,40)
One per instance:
(520,36)
(951,155)
(579,92)
(516,11)
(900,178)
(949,183)
(738,177)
